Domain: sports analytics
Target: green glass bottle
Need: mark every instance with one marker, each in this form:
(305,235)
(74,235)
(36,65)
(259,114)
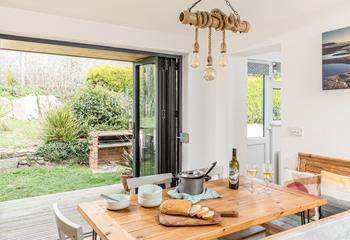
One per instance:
(234,171)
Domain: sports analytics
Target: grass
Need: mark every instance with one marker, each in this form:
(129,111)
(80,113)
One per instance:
(22,133)
(30,182)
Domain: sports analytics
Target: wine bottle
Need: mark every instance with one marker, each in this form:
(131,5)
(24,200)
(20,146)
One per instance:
(234,171)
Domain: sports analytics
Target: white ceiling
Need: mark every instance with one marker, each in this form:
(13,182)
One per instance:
(268,17)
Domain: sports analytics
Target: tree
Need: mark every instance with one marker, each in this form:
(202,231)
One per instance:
(115,78)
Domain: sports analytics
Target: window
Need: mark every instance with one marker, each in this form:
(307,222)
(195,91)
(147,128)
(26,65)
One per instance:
(276,104)
(255,102)
(276,92)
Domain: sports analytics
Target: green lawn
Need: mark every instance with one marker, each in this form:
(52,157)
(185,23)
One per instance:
(30,182)
(22,133)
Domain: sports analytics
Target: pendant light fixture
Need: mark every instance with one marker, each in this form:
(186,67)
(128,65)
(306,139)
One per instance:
(195,55)
(209,73)
(218,20)
(223,51)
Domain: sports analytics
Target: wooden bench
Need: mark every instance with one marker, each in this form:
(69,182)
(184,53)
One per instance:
(312,163)
(335,227)
(316,163)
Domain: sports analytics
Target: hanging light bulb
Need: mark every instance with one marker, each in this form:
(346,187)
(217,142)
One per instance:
(223,50)
(195,60)
(209,73)
(195,55)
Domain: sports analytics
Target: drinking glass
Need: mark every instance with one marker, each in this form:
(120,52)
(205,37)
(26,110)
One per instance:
(251,173)
(268,175)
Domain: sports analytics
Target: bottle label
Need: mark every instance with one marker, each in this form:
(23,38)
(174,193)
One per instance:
(234,176)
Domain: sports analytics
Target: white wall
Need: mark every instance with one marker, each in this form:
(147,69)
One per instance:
(324,115)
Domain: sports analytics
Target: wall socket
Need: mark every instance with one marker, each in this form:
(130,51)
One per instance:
(296,131)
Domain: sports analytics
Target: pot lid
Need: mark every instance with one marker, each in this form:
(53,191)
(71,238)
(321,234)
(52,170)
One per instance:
(191,174)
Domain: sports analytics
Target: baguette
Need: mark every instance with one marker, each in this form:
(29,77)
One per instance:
(208,215)
(176,207)
(202,212)
(195,209)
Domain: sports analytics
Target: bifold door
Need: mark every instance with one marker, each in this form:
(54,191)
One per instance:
(156,116)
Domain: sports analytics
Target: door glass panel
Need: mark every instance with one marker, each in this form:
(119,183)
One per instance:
(148,113)
(255,102)
(276,104)
(277,77)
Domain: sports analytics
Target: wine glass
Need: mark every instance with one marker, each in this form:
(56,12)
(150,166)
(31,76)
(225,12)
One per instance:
(251,173)
(268,174)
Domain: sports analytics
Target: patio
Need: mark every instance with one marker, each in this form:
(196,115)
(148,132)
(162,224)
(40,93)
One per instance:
(34,219)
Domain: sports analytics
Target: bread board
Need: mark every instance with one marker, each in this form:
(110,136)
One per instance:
(182,221)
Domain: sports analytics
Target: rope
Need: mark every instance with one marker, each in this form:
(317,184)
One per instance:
(210,58)
(209,42)
(220,16)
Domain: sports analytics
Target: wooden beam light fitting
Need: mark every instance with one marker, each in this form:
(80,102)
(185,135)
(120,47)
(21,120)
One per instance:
(215,19)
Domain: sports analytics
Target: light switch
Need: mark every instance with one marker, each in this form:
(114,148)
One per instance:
(296,131)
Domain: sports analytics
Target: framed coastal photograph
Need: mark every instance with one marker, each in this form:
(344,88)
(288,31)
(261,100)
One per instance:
(336,59)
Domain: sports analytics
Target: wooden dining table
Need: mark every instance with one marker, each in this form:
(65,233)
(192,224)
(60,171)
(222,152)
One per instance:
(254,209)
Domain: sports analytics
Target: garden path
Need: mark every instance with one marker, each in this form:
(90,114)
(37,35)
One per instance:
(32,218)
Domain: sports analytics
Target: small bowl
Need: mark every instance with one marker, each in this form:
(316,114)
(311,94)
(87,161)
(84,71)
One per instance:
(150,191)
(149,203)
(124,202)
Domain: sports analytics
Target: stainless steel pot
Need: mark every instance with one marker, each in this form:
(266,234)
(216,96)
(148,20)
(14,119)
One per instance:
(192,182)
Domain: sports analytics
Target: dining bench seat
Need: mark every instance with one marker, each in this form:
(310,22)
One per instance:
(335,227)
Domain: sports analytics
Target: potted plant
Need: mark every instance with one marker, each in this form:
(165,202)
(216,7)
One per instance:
(127,172)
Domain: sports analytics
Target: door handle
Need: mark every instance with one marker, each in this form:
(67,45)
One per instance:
(184,137)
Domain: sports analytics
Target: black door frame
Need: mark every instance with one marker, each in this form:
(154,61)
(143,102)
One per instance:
(136,112)
(109,48)
(173,117)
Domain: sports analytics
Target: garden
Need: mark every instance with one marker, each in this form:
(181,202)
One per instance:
(50,153)
(255,104)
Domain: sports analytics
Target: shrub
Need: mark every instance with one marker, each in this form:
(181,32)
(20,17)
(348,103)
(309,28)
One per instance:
(115,78)
(17,91)
(76,152)
(61,126)
(10,78)
(97,108)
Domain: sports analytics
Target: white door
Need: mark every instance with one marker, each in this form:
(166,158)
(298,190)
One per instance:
(259,106)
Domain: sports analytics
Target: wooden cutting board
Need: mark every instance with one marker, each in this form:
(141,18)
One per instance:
(181,221)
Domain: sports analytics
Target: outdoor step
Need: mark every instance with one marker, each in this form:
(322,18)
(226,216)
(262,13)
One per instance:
(6,153)
(25,152)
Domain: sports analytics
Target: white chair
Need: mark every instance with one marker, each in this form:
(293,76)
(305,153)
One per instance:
(134,183)
(67,228)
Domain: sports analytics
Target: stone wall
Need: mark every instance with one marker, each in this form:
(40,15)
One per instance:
(29,107)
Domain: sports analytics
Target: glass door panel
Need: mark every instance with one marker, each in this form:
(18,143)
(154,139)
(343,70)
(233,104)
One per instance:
(255,106)
(148,120)
(156,115)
